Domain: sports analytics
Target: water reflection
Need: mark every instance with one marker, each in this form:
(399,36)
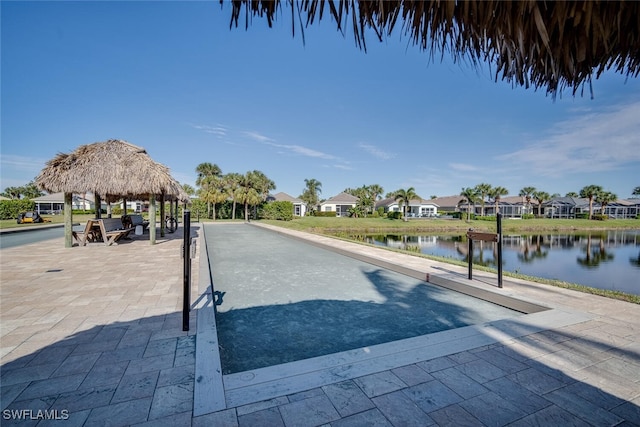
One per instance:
(597,259)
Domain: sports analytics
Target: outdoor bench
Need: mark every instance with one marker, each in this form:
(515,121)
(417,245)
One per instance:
(138,220)
(109,230)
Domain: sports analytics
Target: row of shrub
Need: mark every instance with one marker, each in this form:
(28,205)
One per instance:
(327,214)
(9,209)
(282,211)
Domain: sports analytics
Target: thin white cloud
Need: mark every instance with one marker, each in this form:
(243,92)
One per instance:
(217,130)
(258,137)
(343,166)
(303,151)
(594,142)
(462,167)
(376,152)
(22,163)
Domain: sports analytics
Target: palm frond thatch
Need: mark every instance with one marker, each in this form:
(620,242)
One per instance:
(540,44)
(113,169)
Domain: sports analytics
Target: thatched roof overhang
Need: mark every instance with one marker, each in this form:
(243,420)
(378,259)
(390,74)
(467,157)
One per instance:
(113,169)
(541,44)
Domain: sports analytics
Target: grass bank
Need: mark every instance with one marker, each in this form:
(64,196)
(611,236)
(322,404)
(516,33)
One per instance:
(342,226)
(376,225)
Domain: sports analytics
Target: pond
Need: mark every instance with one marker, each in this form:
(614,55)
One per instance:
(600,259)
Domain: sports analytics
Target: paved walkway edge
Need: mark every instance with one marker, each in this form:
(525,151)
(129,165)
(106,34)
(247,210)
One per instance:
(208,392)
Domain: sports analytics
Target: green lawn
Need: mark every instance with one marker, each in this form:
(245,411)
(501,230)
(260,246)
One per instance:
(374,225)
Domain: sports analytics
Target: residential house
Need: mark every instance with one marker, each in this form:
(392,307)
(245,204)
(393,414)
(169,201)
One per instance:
(566,207)
(569,207)
(509,207)
(416,208)
(299,207)
(54,203)
(339,204)
(623,208)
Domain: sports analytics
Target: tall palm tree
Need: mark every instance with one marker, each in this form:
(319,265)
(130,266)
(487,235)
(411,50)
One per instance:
(311,193)
(232,182)
(404,197)
(541,197)
(205,171)
(526,193)
(483,191)
(253,189)
(590,192)
(496,194)
(470,196)
(188,189)
(376,191)
(213,192)
(636,191)
(604,198)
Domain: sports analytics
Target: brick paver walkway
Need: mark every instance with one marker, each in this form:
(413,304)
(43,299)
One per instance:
(95,334)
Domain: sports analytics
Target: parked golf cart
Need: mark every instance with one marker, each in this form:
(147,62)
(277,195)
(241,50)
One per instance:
(29,217)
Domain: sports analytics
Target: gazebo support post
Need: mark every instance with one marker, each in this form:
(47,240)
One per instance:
(152,219)
(162,209)
(68,220)
(175,214)
(98,205)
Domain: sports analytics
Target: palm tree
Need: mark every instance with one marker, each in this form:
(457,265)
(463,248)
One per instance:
(31,191)
(232,185)
(470,196)
(572,194)
(12,192)
(205,171)
(213,192)
(367,196)
(604,198)
(404,197)
(526,194)
(636,191)
(310,195)
(376,191)
(590,192)
(496,194)
(483,191)
(254,187)
(541,197)
(188,189)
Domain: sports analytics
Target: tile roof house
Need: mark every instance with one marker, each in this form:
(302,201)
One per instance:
(340,204)
(569,207)
(417,207)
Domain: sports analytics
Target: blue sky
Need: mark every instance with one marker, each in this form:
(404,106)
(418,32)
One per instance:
(173,78)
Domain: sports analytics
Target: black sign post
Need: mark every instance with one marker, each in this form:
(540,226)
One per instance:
(499,230)
(186,256)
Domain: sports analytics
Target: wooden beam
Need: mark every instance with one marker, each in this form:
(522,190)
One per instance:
(152,219)
(68,220)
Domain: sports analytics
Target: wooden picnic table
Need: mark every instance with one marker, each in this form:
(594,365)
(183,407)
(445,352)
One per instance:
(107,230)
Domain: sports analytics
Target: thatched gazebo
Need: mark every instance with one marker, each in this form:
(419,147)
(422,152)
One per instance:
(543,44)
(111,170)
